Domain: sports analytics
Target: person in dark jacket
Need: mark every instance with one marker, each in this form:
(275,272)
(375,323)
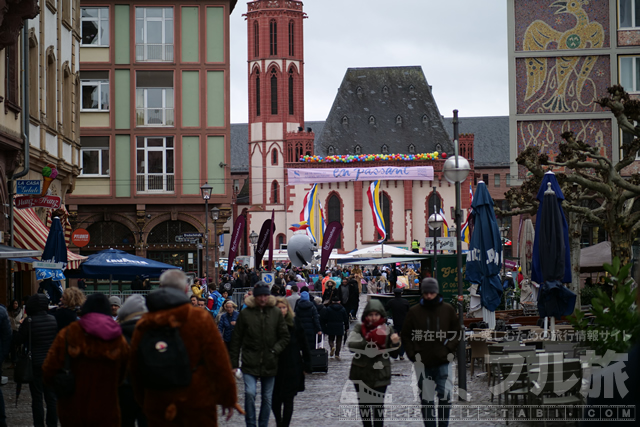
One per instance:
(372,341)
(432,356)
(260,334)
(293,362)
(72,299)
(227,321)
(43,329)
(5,345)
(335,323)
(128,315)
(398,307)
(354,297)
(308,315)
(329,290)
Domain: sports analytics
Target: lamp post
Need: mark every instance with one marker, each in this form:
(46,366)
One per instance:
(435,222)
(456,169)
(215,213)
(253,239)
(504,232)
(205,190)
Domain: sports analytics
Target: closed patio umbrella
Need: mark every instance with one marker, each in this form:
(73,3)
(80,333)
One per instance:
(55,251)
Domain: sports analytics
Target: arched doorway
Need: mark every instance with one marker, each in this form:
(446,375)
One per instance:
(167,245)
(109,234)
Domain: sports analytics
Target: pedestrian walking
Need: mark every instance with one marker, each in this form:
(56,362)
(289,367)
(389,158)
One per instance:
(43,329)
(261,334)
(295,296)
(72,299)
(335,323)
(309,319)
(398,307)
(371,340)
(293,362)
(129,314)
(228,321)
(97,354)
(116,303)
(354,298)
(329,290)
(432,317)
(5,346)
(182,390)
(16,314)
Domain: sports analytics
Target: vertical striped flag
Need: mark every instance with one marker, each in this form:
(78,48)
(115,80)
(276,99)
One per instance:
(373,194)
(466,232)
(323,223)
(309,211)
(445,224)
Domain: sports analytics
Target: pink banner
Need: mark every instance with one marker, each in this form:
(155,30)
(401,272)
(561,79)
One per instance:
(331,236)
(50,202)
(386,173)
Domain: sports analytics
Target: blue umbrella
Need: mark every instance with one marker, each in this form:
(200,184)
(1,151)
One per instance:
(55,250)
(551,263)
(485,250)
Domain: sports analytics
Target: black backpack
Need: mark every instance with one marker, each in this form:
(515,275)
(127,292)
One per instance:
(163,359)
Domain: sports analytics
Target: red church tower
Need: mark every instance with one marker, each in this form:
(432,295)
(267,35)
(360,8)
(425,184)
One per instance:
(276,97)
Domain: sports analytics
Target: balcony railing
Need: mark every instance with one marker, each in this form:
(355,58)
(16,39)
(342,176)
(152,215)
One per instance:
(155,182)
(154,52)
(154,117)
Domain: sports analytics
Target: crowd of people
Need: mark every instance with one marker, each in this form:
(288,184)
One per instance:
(171,357)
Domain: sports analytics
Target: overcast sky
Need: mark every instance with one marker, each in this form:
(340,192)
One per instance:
(461,46)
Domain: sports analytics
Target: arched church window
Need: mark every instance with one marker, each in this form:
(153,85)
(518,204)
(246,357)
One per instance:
(291,91)
(274,92)
(273,37)
(434,200)
(386,212)
(331,151)
(345,120)
(385,149)
(398,119)
(274,156)
(334,214)
(291,38)
(412,149)
(256,39)
(274,192)
(357,149)
(372,120)
(257,94)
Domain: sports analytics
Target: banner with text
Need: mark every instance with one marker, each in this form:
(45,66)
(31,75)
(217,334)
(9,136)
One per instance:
(387,173)
(236,239)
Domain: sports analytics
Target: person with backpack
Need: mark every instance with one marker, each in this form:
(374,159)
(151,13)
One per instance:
(214,303)
(398,307)
(227,321)
(260,334)
(96,353)
(180,374)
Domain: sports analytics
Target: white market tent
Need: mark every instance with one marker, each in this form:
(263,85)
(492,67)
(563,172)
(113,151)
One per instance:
(380,251)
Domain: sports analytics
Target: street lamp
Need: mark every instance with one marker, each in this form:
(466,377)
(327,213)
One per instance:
(215,213)
(504,232)
(456,169)
(253,239)
(205,190)
(435,223)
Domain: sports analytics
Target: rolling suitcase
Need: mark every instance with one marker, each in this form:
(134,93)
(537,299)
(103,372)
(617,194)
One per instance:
(319,358)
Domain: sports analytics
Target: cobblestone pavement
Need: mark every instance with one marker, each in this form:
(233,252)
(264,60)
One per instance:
(319,404)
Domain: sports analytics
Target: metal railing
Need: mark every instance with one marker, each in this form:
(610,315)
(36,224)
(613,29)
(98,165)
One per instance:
(155,182)
(154,52)
(154,117)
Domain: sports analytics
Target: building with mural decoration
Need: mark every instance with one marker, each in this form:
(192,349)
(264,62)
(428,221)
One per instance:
(155,126)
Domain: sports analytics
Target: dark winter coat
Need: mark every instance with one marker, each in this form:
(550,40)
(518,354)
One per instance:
(308,316)
(5,333)
(294,360)
(320,308)
(64,317)
(434,317)
(225,327)
(364,360)
(398,307)
(354,295)
(261,334)
(335,320)
(99,355)
(212,382)
(43,328)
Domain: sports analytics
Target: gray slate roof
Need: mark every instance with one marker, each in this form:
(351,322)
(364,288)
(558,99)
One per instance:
(491,142)
(390,106)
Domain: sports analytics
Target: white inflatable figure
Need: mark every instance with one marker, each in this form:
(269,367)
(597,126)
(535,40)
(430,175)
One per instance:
(300,249)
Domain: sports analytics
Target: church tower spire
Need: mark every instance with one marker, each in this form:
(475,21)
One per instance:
(276,97)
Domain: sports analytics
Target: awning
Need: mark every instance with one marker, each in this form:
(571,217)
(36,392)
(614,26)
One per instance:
(391,260)
(11,252)
(31,233)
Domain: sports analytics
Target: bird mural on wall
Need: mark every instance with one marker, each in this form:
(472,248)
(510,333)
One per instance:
(539,35)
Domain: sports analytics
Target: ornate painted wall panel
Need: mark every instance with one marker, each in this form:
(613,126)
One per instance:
(567,84)
(572,24)
(545,134)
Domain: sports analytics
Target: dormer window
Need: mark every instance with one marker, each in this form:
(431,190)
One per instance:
(331,151)
(345,120)
(385,90)
(357,149)
(398,119)
(425,119)
(372,120)
(412,89)
(438,148)
(412,149)
(359,91)
(385,149)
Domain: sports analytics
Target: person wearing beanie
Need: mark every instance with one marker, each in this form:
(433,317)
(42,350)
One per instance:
(309,318)
(436,319)
(335,323)
(99,354)
(115,302)
(260,334)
